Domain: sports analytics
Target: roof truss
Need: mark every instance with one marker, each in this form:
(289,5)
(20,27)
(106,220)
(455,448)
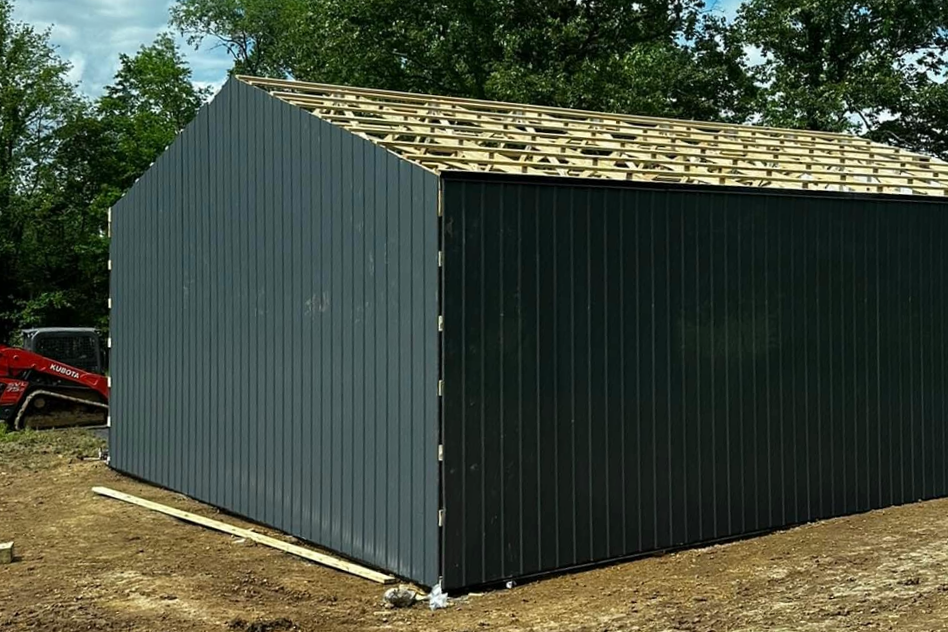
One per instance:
(442,134)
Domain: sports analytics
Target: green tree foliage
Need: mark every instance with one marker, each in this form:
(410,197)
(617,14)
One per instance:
(151,99)
(652,57)
(871,66)
(102,154)
(36,101)
(921,118)
(66,160)
(258,34)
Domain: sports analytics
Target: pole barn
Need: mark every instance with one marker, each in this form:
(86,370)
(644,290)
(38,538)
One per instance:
(467,341)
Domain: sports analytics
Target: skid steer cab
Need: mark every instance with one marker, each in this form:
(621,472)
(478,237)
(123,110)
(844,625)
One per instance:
(54,380)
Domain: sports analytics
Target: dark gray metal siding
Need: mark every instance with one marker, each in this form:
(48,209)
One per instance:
(629,369)
(274,325)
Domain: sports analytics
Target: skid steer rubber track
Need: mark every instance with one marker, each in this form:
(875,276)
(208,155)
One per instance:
(44,409)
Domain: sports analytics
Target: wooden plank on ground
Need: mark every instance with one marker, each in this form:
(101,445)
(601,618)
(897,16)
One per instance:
(309,554)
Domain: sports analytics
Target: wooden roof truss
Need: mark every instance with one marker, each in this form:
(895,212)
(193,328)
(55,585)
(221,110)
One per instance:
(444,134)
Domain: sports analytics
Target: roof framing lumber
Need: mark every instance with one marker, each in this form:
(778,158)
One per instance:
(455,134)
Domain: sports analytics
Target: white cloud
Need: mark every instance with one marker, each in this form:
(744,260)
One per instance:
(92,33)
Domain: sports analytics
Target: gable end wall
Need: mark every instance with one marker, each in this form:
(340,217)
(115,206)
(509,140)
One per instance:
(274,327)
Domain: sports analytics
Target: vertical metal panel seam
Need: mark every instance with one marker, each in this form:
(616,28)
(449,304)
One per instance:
(160,359)
(502,409)
(711,345)
(572,377)
(348,340)
(390,328)
(379,296)
(878,353)
(921,353)
(155,439)
(623,396)
(685,416)
(315,211)
(605,359)
(463,417)
(589,373)
(520,413)
(482,547)
(204,440)
(539,446)
(556,394)
(944,384)
(365,496)
(867,370)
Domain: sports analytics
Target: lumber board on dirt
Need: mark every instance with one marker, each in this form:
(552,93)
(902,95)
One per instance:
(309,554)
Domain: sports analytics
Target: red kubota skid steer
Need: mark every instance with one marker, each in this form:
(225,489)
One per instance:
(54,381)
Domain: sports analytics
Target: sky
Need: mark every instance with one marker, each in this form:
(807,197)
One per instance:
(92,33)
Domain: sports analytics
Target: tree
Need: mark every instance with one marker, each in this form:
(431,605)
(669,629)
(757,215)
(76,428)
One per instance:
(67,161)
(840,65)
(692,70)
(253,32)
(104,151)
(655,56)
(921,123)
(36,99)
(151,99)
(89,176)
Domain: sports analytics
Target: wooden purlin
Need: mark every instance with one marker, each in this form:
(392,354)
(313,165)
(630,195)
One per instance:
(443,134)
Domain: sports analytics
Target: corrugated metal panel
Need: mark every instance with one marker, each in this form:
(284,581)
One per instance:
(275,330)
(633,369)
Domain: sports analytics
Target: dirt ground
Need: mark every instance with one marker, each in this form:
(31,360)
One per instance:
(89,563)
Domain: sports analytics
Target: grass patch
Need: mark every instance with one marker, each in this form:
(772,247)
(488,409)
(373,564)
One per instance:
(35,449)
(7,435)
